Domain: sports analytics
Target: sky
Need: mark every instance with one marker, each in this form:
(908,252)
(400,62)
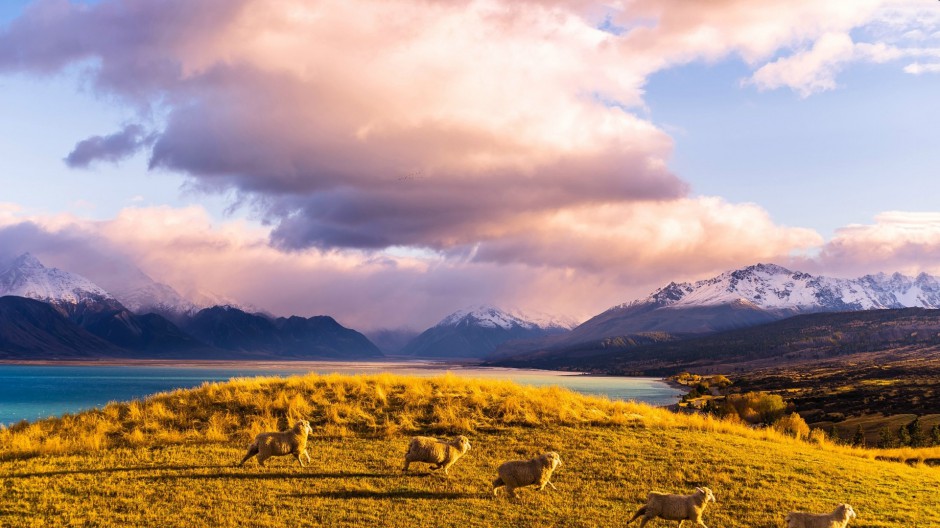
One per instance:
(390,162)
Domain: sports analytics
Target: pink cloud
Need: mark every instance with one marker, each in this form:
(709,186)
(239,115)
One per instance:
(371,124)
(908,242)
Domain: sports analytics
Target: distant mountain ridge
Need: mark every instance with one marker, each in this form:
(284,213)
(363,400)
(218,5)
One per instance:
(51,313)
(256,335)
(773,287)
(477,331)
(750,296)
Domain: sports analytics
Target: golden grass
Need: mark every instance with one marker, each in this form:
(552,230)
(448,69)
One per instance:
(169,460)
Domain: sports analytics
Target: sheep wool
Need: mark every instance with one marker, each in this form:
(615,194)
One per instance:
(520,473)
(675,507)
(440,453)
(838,518)
(290,442)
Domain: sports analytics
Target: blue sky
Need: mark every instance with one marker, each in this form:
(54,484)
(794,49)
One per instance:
(825,161)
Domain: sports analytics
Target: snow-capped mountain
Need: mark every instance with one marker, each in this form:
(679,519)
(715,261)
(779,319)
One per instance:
(476,332)
(773,287)
(141,294)
(487,316)
(25,276)
(753,295)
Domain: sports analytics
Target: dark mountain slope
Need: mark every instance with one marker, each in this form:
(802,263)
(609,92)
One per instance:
(248,335)
(31,329)
(801,338)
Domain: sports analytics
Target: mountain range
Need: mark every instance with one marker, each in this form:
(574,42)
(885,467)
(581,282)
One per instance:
(149,319)
(50,313)
(746,297)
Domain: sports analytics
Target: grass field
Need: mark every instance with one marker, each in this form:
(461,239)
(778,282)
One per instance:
(170,461)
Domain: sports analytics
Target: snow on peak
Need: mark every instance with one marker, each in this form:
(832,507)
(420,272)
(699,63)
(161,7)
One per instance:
(488,316)
(770,286)
(25,276)
(26,261)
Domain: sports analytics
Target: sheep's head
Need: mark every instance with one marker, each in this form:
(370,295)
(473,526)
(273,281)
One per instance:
(847,512)
(707,493)
(551,460)
(303,428)
(462,443)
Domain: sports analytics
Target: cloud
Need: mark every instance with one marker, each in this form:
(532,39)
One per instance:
(410,123)
(809,71)
(908,242)
(114,147)
(917,68)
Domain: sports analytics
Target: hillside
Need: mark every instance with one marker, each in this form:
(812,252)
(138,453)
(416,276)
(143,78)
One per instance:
(799,339)
(169,461)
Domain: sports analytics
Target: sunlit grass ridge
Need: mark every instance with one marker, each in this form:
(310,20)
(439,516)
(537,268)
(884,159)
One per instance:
(341,405)
(169,460)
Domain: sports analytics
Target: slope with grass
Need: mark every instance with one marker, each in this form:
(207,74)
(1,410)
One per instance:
(170,460)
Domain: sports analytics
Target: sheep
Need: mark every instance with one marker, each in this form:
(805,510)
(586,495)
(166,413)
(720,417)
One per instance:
(290,442)
(520,473)
(838,518)
(440,453)
(675,507)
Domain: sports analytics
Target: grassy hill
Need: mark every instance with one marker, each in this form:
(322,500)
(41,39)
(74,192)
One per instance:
(170,460)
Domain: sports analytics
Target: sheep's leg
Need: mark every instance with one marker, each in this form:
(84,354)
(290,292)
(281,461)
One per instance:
(637,515)
(511,491)
(446,467)
(299,460)
(498,483)
(252,451)
(261,459)
(407,464)
(307,454)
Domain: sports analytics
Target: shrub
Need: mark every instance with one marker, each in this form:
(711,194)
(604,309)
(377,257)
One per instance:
(793,425)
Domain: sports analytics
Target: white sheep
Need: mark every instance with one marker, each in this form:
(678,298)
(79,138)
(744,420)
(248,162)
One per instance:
(520,473)
(838,518)
(675,507)
(290,442)
(441,453)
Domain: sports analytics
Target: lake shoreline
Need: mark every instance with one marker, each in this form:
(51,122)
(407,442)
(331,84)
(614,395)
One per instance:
(35,389)
(263,364)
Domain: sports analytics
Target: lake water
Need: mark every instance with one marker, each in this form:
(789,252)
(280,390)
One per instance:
(37,391)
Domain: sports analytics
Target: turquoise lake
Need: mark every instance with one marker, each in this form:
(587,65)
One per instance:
(29,392)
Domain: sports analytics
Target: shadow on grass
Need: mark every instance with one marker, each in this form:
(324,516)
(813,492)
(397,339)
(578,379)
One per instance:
(383,495)
(102,471)
(243,475)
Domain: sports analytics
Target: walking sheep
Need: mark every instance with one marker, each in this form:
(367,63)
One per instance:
(520,473)
(440,453)
(675,507)
(290,442)
(838,518)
